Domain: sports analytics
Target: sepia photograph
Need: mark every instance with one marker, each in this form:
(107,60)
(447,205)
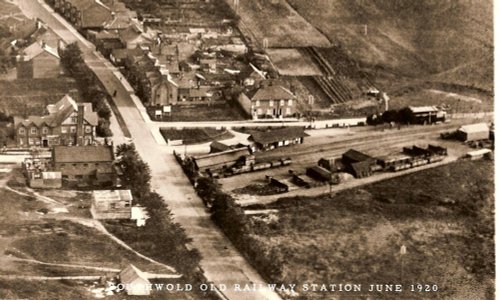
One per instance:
(247,149)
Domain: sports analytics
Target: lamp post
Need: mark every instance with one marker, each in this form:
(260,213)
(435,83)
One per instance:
(402,252)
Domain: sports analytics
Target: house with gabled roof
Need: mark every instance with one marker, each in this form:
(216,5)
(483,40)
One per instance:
(67,123)
(135,281)
(269,100)
(39,60)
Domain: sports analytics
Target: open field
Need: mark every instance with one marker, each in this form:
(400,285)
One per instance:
(56,236)
(191,136)
(279,23)
(291,62)
(25,97)
(443,216)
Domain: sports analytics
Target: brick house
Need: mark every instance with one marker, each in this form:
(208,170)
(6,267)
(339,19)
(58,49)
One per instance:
(84,165)
(268,101)
(67,123)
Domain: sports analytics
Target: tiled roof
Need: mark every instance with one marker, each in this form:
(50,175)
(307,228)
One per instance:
(277,135)
(70,154)
(270,92)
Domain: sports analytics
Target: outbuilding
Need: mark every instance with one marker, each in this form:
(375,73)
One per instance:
(359,164)
(272,139)
(474,132)
(135,282)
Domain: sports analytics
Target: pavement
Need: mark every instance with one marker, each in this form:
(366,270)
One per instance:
(221,262)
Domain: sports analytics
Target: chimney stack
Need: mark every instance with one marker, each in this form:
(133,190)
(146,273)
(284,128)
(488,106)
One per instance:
(80,130)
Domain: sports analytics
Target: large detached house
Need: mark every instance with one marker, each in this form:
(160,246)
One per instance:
(67,123)
(268,101)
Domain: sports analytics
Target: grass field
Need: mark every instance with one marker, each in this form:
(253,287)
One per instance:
(213,112)
(280,24)
(191,136)
(443,216)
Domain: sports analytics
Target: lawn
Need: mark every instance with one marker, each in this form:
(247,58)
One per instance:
(191,136)
(443,216)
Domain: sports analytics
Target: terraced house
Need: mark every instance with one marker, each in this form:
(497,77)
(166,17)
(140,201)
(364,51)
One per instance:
(67,123)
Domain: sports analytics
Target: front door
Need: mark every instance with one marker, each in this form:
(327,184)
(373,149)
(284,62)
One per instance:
(45,143)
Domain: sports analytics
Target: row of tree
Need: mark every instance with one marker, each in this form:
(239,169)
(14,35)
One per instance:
(161,237)
(89,85)
(238,227)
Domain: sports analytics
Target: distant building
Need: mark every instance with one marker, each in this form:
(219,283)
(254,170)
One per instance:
(424,114)
(319,173)
(39,60)
(268,140)
(38,174)
(359,164)
(111,204)
(135,281)
(84,14)
(85,165)
(268,101)
(332,164)
(68,123)
(474,132)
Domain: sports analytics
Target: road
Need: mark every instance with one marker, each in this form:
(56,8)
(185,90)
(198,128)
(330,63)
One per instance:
(221,262)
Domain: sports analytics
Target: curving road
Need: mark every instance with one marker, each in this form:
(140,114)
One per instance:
(221,262)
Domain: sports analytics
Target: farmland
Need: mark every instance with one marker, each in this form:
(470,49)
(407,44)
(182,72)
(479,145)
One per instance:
(356,236)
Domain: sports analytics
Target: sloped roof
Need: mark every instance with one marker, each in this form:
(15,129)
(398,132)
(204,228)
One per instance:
(356,155)
(270,92)
(131,274)
(473,128)
(277,135)
(59,112)
(112,195)
(423,109)
(70,154)
(204,161)
(218,146)
(36,49)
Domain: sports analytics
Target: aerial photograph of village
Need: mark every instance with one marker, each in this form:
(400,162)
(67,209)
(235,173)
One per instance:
(246,149)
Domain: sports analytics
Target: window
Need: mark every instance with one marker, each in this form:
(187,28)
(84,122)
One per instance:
(45,130)
(269,112)
(64,129)
(33,130)
(290,102)
(20,141)
(282,102)
(22,130)
(259,111)
(74,165)
(72,129)
(257,103)
(271,103)
(88,129)
(288,111)
(74,118)
(85,165)
(30,141)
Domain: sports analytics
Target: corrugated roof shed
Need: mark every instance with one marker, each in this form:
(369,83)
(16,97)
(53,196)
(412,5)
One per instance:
(70,154)
(278,135)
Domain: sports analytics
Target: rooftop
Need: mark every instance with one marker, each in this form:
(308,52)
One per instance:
(270,92)
(480,127)
(70,154)
(277,135)
(356,155)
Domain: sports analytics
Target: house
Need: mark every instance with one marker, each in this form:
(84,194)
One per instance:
(132,37)
(135,281)
(359,164)
(220,161)
(140,215)
(474,132)
(106,41)
(268,101)
(85,165)
(111,204)
(424,114)
(18,25)
(39,60)
(275,138)
(84,14)
(119,56)
(164,90)
(250,76)
(67,123)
